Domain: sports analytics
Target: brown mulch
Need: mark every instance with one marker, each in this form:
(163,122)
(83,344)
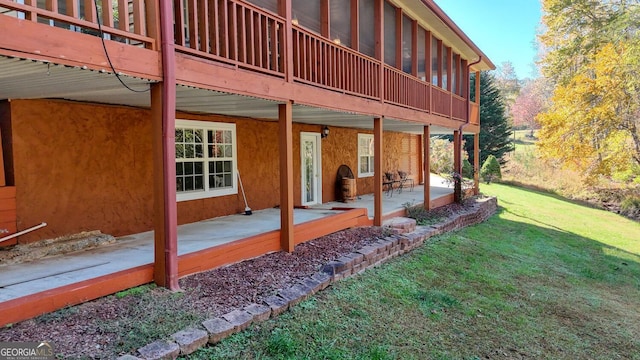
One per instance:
(98,329)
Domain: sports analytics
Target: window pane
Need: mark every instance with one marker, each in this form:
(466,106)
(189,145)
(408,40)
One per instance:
(364,164)
(179,169)
(435,63)
(197,136)
(198,168)
(228,137)
(199,153)
(188,183)
(179,135)
(407,44)
(422,54)
(189,151)
(445,66)
(188,168)
(188,135)
(389,34)
(271,5)
(454,75)
(367,31)
(199,184)
(340,15)
(307,13)
(179,184)
(227,180)
(179,151)
(228,151)
(227,166)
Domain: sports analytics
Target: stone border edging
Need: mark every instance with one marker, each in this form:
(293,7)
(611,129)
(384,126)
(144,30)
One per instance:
(189,340)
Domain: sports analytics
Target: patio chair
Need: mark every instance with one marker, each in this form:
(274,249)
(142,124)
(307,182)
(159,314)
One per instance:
(405,180)
(388,182)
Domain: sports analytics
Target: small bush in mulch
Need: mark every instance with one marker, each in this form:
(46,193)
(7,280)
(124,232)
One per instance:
(425,217)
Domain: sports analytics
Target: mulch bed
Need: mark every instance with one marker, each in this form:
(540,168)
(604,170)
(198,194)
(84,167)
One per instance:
(102,328)
(94,329)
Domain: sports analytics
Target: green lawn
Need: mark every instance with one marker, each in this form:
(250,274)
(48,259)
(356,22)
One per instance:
(544,278)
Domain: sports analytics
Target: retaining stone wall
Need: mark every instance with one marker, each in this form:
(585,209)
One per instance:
(189,340)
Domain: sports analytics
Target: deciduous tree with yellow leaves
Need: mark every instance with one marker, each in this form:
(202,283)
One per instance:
(593,123)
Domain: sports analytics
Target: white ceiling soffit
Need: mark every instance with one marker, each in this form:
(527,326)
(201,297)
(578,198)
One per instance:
(310,115)
(30,79)
(190,99)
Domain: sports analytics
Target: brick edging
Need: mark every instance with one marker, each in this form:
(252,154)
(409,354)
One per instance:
(214,330)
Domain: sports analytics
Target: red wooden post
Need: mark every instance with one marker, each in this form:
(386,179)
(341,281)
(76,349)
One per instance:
(476,164)
(123,14)
(379,28)
(377,170)
(72,8)
(286,12)
(456,151)
(163,108)
(426,139)
(203,25)
(139,26)
(285,114)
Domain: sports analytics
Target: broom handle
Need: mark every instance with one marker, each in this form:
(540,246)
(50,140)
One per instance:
(242,188)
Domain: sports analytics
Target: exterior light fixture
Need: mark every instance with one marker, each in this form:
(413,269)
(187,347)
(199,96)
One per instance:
(325,132)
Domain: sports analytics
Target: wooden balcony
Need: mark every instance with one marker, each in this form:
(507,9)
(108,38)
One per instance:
(123,22)
(236,34)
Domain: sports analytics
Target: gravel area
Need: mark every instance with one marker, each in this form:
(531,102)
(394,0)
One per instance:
(107,326)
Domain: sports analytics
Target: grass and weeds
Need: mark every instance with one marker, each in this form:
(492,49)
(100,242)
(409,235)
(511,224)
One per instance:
(525,168)
(152,313)
(544,279)
(422,216)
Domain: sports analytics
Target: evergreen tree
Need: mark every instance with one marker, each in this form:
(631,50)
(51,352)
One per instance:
(490,170)
(495,130)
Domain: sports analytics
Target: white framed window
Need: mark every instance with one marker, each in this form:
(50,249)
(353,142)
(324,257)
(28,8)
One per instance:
(206,159)
(365,155)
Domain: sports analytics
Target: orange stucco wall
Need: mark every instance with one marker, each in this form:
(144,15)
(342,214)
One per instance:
(82,167)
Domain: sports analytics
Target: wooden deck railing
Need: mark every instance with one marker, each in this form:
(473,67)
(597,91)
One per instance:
(474,114)
(440,101)
(405,90)
(458,107)
(230,31)
(318,61)
(245,36)
(123,21)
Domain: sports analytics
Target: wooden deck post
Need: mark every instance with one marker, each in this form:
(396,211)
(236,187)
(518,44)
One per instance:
(476,163)
(457,153)
(427,166)
(285,121)
(163,113)
(377,171)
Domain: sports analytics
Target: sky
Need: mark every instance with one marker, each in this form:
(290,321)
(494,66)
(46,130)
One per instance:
(505,30)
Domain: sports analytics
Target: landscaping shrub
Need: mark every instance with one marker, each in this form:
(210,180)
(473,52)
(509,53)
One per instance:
(467,169)
(490,169)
